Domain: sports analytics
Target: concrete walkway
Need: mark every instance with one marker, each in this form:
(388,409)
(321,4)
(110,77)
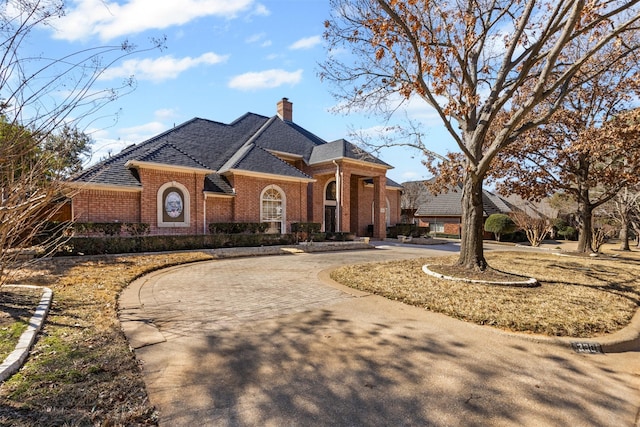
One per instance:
(269,341)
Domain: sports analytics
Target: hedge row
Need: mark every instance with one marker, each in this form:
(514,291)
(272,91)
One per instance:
(118,245)
(407,230)
(112,228)
(238,227)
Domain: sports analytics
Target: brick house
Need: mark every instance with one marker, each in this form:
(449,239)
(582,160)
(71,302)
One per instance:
(442,212)
(255,169)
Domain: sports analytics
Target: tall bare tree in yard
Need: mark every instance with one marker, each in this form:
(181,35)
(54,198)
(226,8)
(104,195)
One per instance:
(588,151)
(623,209)
(492,70)
(40,97)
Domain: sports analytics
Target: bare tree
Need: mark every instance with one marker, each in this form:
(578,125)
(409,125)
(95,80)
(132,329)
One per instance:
(536,228)
(484,66)
(41,95)
(413,193)
(623,210)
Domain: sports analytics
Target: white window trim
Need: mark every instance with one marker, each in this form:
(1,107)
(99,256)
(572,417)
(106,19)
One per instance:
(283,221)
(186,201)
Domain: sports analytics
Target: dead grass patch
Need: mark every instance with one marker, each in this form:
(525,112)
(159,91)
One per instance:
(81,370)
(578,297)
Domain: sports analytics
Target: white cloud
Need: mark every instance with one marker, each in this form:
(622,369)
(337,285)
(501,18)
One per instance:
(164,114)
(259,38)
(306,43)
(109,20)
(142,132)
(159,69)
(254,38)
(267,79)
(103,148)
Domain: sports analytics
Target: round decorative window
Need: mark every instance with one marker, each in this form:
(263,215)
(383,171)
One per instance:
(173,204)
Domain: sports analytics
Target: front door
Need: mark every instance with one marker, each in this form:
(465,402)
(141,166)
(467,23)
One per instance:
(330,219)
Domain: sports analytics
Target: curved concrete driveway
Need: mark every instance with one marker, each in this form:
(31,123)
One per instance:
(265,342)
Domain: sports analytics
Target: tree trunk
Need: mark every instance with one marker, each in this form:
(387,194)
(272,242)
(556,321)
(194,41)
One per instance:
(624,234)
(585,235)
(471,249)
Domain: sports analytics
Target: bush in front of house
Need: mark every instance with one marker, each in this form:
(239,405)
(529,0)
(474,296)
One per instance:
(238,227)
(120,245)
(406,230)
(111,228)
(340,236)
(307,231)
(499,224)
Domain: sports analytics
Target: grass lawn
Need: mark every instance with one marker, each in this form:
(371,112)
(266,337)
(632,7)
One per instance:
(82,371)
(578,296)
(17,305)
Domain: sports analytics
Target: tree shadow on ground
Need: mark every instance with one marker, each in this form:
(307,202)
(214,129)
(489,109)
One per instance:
(317,368)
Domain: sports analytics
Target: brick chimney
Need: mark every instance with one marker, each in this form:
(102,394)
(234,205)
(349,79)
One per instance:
(285,110)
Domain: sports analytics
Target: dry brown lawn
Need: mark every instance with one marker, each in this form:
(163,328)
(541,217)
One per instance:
(578,296)
(81,370)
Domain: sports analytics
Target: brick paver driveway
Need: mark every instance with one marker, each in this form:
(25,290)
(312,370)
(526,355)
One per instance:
(265,342)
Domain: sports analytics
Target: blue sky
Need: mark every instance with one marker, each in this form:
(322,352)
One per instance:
(223,58)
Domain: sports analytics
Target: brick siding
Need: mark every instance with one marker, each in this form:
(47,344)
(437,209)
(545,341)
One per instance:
(304,201)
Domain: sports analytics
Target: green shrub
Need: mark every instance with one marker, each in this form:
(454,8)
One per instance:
(341,236)
(406,230)
(499,224)
(306,227)
(118,245)
(305,231)
(137,228)
(567,232)
(237,227)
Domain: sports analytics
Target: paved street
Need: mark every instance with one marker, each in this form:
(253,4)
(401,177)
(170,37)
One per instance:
(265,341)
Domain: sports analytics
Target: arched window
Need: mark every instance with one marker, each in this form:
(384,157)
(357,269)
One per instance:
(330,192)
(173,205)
(273,209)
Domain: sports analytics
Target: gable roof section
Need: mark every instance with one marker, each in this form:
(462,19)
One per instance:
(342,149)
(287,137)
(216,183)
(443,204)
(168,154)
(494,204)
(449,204)
(196,143)
(255,159)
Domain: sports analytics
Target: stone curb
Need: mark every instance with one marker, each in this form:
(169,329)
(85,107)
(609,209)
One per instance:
(16,358)
(529,282)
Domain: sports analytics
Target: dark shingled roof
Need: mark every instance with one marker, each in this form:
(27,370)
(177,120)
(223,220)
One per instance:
(244,144)
(256,159)
(450,203)
(341,149)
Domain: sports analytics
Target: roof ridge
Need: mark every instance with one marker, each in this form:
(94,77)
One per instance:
(246,147)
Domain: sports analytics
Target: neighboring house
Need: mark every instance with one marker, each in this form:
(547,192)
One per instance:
(442,213)
(255,169)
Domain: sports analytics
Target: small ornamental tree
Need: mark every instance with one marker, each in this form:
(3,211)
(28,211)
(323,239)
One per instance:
(499,224)
(536,229)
